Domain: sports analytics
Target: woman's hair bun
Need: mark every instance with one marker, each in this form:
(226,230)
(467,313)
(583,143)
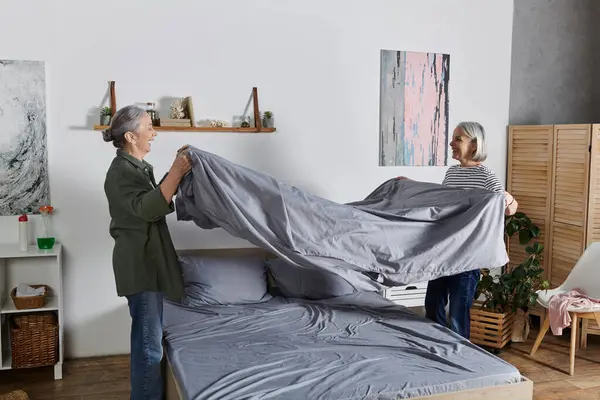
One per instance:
(107,135)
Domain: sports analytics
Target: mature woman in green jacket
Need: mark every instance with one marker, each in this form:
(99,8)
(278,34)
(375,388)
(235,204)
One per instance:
(145,263)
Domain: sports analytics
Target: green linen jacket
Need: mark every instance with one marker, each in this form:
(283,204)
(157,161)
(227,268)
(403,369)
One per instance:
(144,257)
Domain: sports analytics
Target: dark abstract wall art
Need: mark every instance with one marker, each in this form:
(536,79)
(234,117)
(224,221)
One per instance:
(24,183)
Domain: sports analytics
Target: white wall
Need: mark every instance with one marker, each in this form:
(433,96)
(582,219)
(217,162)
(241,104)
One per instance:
(316,64)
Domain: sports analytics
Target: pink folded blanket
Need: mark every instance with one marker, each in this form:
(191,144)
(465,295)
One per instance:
(560,303)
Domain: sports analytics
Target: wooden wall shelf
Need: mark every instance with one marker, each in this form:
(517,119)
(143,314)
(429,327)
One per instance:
(253,97)
(201,129)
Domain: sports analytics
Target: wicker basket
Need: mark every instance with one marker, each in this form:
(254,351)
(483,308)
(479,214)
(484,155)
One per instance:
(29,302)
(34,340)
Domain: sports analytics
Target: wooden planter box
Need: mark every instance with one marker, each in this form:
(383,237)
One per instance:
(490,329)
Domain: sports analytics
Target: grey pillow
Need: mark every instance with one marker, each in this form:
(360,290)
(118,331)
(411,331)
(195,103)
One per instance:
(224,280)
(305,282)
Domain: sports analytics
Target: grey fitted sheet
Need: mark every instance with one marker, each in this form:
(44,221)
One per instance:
(359,346)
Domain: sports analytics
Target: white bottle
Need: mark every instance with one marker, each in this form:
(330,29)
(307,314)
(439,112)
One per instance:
(23,233)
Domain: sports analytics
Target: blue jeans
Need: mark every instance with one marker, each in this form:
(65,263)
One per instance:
(146,310)
(460,289)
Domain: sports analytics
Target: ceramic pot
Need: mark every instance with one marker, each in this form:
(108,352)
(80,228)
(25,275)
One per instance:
(268,122)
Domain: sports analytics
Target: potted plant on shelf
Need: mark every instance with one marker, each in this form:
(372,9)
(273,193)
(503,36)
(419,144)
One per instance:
(105,116)
(510,294)
(268,121)
(245,122)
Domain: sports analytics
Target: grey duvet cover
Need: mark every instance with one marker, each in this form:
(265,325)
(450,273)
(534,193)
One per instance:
(359,346)
(406,231)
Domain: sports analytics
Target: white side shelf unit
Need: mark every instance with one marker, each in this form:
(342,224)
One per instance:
(412,295)
(31,267)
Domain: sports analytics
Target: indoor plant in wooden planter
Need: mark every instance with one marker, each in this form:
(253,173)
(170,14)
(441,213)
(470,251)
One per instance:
(508,296)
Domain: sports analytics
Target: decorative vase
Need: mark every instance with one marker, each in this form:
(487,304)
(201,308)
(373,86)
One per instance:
(105,120)
(520,328)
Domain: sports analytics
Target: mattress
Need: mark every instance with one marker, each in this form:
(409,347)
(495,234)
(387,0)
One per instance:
(359,346)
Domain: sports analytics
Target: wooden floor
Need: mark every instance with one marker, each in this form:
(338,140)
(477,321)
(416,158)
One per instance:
(107,378)
(549,369)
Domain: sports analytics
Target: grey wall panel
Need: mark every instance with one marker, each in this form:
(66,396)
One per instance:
(555,62)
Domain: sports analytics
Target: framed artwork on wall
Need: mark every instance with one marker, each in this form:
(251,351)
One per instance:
(24,183)
(413,108)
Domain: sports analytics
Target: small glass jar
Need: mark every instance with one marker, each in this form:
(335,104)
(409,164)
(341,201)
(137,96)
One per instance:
(153,113)
(45,230)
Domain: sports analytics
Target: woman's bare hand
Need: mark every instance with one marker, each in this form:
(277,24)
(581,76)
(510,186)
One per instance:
(511,204)
(183,149)
(181,166)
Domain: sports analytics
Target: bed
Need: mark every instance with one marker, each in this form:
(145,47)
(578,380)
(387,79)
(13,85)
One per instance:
(354,346)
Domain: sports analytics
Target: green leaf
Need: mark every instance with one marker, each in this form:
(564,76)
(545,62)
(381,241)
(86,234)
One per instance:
(545,285)
(533,298)
(519,272)
(505,279)
(536,271)
(511,228)
(524,237)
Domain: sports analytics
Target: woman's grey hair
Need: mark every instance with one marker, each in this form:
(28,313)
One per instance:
(475,132)
(127,119)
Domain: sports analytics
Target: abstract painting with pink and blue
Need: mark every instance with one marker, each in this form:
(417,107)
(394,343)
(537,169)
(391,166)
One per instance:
(413,125)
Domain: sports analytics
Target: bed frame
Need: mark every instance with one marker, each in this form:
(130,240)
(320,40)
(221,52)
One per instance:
(516,391)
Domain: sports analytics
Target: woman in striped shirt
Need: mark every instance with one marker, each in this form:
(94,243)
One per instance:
(469,148)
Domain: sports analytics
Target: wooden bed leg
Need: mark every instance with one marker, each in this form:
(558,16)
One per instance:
(540,336)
